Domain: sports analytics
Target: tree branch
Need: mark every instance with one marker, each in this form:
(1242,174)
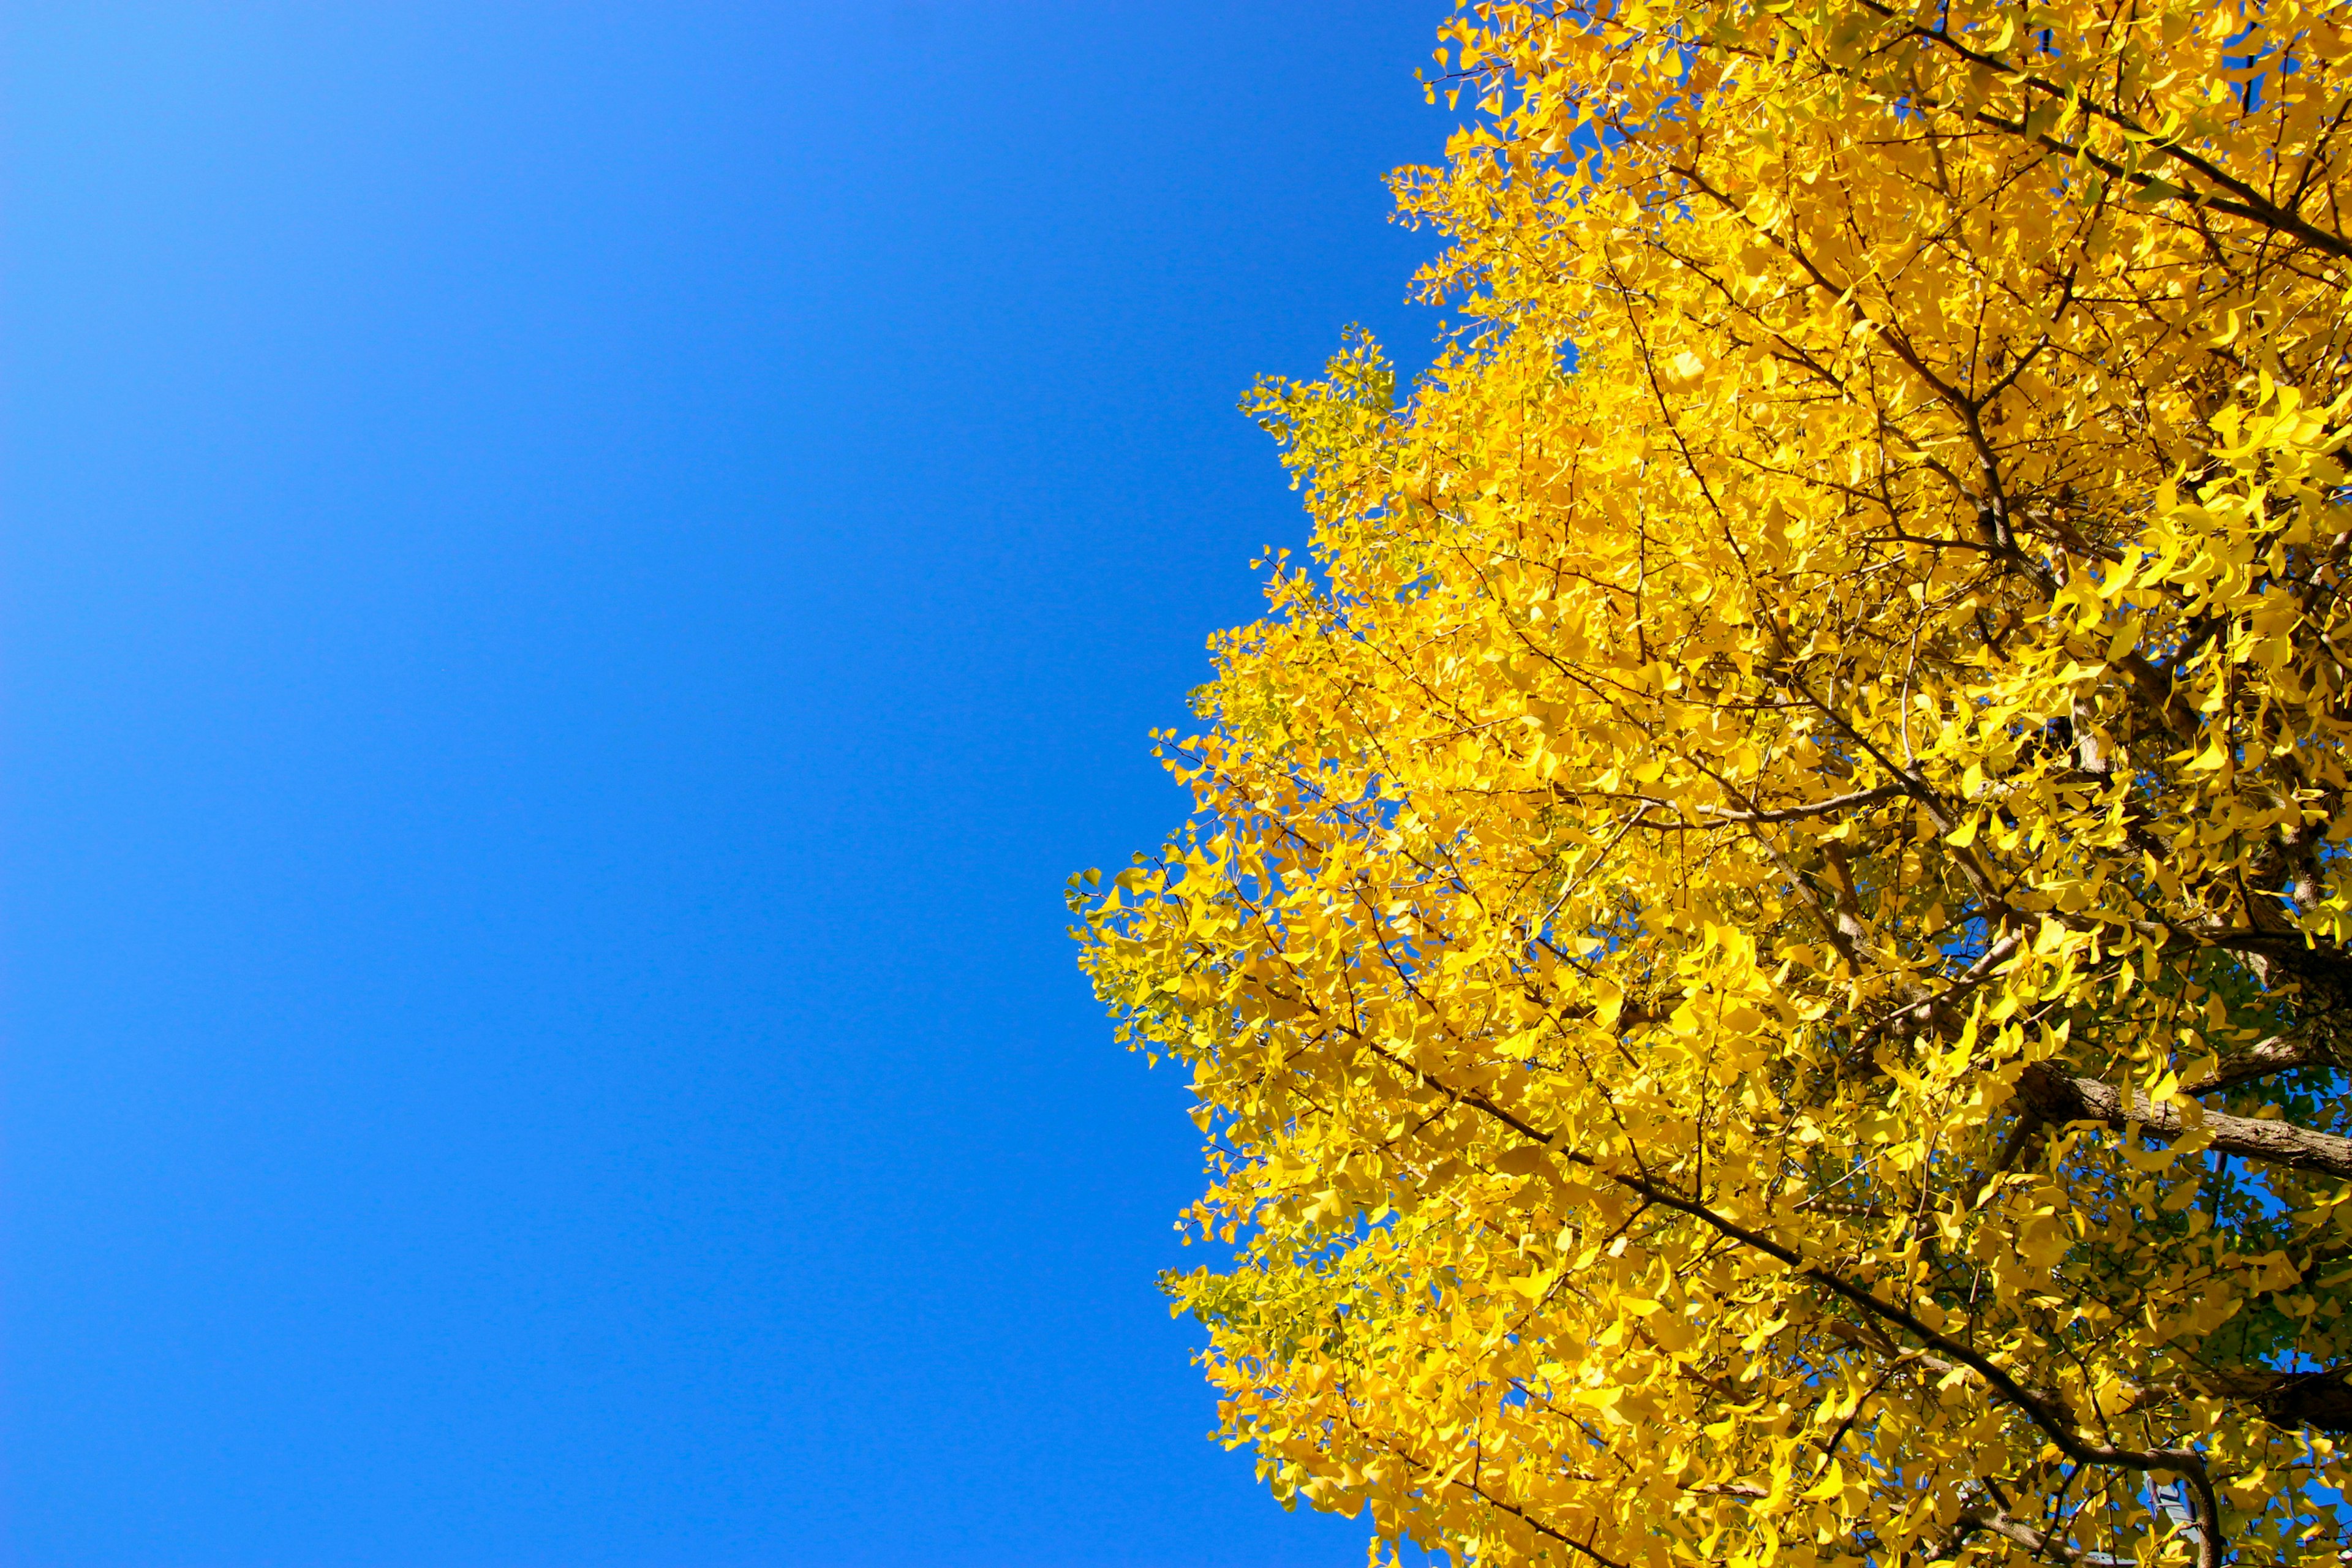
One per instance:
(2060,1099)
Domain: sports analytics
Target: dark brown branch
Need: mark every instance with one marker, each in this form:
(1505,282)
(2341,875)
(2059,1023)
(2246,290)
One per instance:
(2042,1543)
(2290,1399)
(2279,1053)
(2059,1099)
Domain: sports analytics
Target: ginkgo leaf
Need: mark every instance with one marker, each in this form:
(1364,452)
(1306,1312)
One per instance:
(1682,373)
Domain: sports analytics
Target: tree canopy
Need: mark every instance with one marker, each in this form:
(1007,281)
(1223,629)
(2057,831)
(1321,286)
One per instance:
(1763,944)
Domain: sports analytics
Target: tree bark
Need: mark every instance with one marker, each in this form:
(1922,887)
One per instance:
(2059,1099)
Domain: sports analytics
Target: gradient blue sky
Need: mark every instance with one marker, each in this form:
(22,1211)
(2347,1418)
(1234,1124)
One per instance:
(576,577)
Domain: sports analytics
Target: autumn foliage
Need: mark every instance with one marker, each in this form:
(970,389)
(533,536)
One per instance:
(1765,945)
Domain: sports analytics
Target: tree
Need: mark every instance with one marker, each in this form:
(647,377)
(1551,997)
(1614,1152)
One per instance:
(1763,941)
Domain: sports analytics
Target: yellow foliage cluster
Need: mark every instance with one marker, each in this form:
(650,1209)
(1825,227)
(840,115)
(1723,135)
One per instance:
(1763,945)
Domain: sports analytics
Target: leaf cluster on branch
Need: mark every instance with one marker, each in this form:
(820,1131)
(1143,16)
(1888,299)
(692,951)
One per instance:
(1764,945)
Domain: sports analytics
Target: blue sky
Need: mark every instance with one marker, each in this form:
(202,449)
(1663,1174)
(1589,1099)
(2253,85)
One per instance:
(576,577)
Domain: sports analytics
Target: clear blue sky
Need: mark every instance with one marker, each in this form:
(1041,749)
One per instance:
(576,577)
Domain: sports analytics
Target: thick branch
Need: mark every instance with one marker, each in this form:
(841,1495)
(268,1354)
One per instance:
(2058,1097)
(2290,1399)
(2279,1053)
(1993,1521)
